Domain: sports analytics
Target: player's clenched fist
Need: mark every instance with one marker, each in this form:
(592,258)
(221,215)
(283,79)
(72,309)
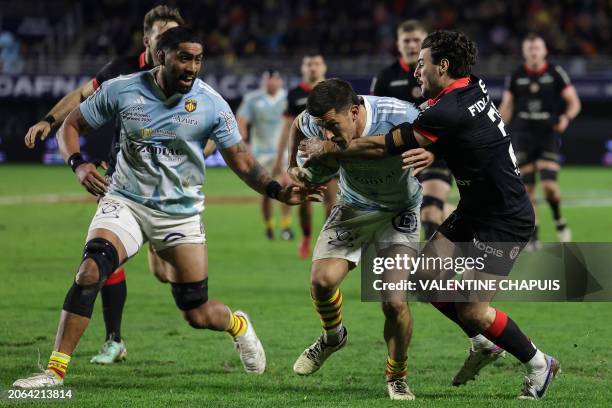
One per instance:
(40,130)
(89,178)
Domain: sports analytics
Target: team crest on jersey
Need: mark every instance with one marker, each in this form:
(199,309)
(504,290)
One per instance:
(191,105)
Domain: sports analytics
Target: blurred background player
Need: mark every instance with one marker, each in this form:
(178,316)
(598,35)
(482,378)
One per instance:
(398,81)
(539,102)
(313,71)
(260,120)
(114,291)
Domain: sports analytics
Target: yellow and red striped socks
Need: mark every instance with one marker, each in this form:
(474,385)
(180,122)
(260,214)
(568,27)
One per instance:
(330,313)
(237,326)
(396,369)
(58,363)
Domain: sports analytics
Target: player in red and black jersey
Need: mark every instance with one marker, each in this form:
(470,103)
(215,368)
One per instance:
(494,218)
(541,101)
(313,71)
(398,81)
(114,291)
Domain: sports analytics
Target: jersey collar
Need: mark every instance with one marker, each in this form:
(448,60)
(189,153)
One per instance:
(458,83)
(539,71)
(305,86)
(368,122)
(405,66)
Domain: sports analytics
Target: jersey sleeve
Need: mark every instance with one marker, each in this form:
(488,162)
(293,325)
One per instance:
(509,83)
(438,121)
(562,80)
(108,71)
(101,106)
(246,108)
(224,131)
(306,124)
(292,110)
(377,87)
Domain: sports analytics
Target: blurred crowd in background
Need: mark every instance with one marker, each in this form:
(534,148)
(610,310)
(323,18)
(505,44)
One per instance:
(103,29)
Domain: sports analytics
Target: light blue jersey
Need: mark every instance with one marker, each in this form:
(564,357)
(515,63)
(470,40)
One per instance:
(265,115)
(379,185)
(161,163)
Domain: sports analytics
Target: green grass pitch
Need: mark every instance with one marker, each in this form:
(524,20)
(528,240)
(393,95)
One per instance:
(171,364)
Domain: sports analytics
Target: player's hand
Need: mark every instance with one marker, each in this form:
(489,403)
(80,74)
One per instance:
(417,160)
(294,195)
(297,175)
(312,150)
(41,130)
(94,182)
(561,124)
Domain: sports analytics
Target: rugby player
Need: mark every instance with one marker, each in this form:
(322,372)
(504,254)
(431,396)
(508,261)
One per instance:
(114,291)
(398,81)
(313,71)
(260,119)
(377,202)
(539,103)
(166,117)
(494,211)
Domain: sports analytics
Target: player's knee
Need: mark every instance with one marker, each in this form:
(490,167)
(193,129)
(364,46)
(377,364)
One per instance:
(472,316)
(88,273)
(395,309)
(190,296)
(321,281)
(100,260)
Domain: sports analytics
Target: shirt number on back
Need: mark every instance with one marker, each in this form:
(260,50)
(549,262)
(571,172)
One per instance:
(495,116)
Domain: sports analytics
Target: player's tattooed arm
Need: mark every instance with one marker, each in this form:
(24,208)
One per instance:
(242,162)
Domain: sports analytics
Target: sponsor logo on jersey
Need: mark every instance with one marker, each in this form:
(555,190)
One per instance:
(488,249)
(191,105)
(184,120)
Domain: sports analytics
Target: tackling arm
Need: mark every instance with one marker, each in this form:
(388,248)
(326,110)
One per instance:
(58,113)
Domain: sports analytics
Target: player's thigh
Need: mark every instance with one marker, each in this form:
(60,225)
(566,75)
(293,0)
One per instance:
(547,165)
(158,267)
(189,262)
(116,222)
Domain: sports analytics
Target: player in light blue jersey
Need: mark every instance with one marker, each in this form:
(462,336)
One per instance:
(378,205)
(260,120)
(166,116)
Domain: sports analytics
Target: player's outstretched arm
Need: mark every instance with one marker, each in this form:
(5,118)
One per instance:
(68,143)
(572,108)
(242,162)
(58,114)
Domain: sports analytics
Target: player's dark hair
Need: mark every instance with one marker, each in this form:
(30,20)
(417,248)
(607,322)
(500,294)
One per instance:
(313,54)
(454,46)
(533,36)
(330,94)
(162,13)
(170,39)
(411,25)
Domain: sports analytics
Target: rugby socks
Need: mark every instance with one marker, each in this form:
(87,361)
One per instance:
(448,309)
(555,206)
(270,223)
(58,363)
(396,369)
(506,334)
(305,220)
(286,222)
(237,326)
(114,294)
(330,313)
(429,228)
